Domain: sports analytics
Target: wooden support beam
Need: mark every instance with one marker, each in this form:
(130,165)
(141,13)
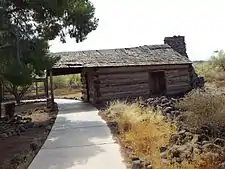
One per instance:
(46,87)
(1,98)
(36,88)
(51,87)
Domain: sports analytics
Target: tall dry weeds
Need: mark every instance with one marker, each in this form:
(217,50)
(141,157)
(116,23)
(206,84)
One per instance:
(204,108)
(143,129)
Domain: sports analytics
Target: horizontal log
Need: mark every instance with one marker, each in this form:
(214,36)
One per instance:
(124,94)
(139,68)
(181,79)
(177,76)
(137,75)
(178,87)
(124,88)
(177,92)
(122,82)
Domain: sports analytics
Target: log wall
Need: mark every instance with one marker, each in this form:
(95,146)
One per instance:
(106,84)
(177,81)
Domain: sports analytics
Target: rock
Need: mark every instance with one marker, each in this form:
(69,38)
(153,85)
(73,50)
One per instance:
(149,167)
(28,119)
(221,166)
(206,142)
(203,137)
(48,128)
(180,118)
(9,133)
(164,155)
(211,147)
(164,100)
(164,162)
(173,151)
(136,164)
(197,151)
(135,158)
(175,113)
(16,160)
(207,130)
(167,110)
(22,129)
(34,146)
(188,137)
(181,153)
(3,135)
(174,138)
(195,139)
(163,149)
(29,125)
(13,133)
(182,132)
(220,142)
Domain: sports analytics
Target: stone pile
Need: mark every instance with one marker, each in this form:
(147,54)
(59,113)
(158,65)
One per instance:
(164,104)
(15,126)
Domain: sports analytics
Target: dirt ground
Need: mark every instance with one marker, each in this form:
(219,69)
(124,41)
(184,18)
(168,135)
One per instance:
(16,143)
(69,93)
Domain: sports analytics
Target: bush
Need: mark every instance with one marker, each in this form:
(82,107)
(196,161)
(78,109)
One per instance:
(60,82)
(75,81)
(204,108)
(214,69)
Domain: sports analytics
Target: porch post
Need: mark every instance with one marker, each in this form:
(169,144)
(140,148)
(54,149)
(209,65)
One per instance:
(46,86)
(51,87)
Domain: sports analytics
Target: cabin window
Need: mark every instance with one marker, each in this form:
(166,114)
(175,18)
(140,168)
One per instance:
(157,83)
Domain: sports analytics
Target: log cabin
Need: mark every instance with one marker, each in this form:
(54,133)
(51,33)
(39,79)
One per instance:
(128,73)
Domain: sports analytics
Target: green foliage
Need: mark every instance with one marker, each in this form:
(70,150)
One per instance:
(48,19)
(26,27)
(218,60)
(73,81)
(214,69)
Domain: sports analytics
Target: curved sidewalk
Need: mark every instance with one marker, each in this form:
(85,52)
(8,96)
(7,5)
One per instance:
(79,139)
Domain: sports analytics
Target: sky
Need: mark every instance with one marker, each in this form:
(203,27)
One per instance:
(130,23)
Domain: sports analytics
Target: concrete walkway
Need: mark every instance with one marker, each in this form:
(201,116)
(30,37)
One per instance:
(79,139)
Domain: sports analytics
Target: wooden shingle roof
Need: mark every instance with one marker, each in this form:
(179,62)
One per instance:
(135,56)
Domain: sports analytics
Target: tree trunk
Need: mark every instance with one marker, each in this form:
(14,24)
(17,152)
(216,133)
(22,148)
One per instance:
(17,98)
(1,98)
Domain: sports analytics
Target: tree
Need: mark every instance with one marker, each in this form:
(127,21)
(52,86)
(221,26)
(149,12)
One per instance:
(49,18)
(17,78)
(25,28)
(218,60)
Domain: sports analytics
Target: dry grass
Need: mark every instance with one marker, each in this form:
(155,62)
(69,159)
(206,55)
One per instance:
(146,131)
(142,128)
(204,108)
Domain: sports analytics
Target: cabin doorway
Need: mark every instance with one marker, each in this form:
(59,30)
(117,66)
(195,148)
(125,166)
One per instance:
(157,83)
